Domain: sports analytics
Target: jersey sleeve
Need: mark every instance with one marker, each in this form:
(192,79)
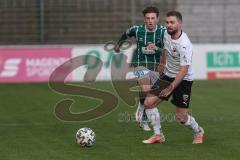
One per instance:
(130,32)
(162,37)
(161,47)
(185,54)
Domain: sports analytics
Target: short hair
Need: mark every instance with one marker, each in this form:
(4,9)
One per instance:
(150,9)
(177,14)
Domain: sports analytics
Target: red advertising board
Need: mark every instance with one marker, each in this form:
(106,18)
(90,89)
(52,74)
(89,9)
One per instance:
(224,75)
(31,64)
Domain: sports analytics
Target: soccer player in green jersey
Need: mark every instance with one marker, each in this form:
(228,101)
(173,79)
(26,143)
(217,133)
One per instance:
(146,59)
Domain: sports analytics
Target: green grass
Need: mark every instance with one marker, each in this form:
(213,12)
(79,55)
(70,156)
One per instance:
(30,130)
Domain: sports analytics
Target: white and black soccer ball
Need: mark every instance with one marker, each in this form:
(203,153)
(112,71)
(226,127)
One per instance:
(85,137)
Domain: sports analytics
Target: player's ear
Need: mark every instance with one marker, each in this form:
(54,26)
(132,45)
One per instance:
(180,25)
(179,21)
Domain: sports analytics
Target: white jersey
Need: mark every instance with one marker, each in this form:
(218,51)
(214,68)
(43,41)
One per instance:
(178,53)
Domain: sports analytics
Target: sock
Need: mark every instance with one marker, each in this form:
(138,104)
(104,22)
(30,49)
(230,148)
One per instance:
(139,111)
(144,118)
(192,124)
(154,117)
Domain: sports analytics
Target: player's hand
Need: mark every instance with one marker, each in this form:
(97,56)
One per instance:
(151,46)
(167,91)
(116,49)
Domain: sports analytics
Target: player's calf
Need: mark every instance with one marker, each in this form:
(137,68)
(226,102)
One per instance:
(189,121)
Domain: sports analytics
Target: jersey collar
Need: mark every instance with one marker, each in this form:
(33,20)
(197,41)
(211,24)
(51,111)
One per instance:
(151,31)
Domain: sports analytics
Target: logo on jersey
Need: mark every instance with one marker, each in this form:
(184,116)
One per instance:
(145,50)
(174,50)
(185,99)
(158,40)
(11,67)
(140,39)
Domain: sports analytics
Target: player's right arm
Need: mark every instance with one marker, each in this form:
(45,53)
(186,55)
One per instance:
(130,32)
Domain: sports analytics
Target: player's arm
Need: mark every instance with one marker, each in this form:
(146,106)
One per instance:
(130,32)
(162,64)
(179,77)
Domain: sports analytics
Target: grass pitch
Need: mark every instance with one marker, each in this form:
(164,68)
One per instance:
(30,130)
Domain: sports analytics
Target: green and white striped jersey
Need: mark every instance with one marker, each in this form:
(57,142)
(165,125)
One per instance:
(143,57)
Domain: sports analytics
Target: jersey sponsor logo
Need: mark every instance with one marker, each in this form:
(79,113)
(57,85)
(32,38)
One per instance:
(174,50)
(145,50)
(171,48)
(11,67)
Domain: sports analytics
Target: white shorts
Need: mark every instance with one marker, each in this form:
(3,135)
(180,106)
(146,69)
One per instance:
(141,72)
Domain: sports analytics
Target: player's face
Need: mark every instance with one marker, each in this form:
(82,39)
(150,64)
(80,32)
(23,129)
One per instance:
(173,25)
(151,20)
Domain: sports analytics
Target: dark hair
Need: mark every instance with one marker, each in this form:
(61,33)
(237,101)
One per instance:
(151,9)
(176,14)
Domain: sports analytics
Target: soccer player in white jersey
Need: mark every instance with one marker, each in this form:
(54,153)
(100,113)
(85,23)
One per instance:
(178,75)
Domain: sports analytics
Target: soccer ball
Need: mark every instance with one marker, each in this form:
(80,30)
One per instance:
(85,137)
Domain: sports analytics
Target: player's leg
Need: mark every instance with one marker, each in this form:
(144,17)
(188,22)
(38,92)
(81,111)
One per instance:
(148,80)
(151,109)
(152,112)
(181,98)
(188,120)
(142,74)
(140,112)
(153,115)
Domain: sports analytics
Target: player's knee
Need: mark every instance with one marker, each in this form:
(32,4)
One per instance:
(148,103)
(145,88)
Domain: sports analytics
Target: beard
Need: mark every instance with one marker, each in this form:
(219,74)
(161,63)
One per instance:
(172,32)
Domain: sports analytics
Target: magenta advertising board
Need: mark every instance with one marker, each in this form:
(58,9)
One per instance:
(31,64)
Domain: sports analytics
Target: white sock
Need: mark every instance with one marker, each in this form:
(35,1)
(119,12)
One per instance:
(140,110)
(192,124)
(154,117)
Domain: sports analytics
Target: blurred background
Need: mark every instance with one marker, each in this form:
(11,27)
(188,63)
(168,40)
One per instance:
(99,21)
(37,36)
(83,27)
